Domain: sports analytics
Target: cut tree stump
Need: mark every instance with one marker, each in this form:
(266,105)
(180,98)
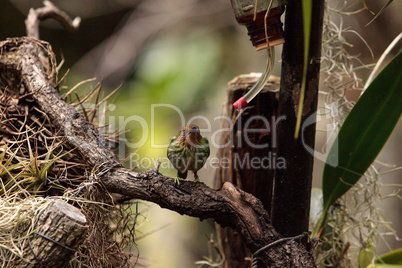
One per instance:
(60,229)
(259,118)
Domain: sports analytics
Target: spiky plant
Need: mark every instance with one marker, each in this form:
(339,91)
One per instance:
(37,162)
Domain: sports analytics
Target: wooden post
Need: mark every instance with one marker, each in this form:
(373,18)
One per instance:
(61,228)
(291,201)
(249,167)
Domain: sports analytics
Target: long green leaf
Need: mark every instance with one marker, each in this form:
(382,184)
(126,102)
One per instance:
(364,132)
(366,255)
(392,257)
(380,265)
(379,12)
(307,6)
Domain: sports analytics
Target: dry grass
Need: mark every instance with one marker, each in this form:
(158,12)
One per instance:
(36,162)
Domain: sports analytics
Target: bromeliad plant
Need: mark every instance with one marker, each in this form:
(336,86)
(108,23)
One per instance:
(28,172)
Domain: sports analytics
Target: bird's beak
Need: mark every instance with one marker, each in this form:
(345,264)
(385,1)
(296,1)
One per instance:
(193,130)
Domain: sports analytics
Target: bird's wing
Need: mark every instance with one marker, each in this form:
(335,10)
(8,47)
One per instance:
(169,149)
(205,144)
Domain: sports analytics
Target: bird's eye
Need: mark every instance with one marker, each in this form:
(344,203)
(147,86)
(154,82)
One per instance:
(194,128)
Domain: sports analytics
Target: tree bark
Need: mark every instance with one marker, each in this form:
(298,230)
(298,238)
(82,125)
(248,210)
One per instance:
(61,228)
(228,206)
(292,188)
(250,136)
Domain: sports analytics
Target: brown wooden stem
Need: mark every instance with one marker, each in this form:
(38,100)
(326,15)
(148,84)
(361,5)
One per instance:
(292,187)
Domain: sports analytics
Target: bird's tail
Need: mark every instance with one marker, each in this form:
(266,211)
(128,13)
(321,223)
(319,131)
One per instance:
(182,175)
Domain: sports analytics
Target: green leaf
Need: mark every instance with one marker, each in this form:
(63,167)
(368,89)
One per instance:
(307,6)
(366,255)
(48,164)
(381,265)
(392,257)
(379,12)
(364,133)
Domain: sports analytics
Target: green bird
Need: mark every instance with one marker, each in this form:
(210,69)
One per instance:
(188,151)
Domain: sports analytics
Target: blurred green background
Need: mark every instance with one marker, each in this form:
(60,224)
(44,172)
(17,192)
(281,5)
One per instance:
(179,55)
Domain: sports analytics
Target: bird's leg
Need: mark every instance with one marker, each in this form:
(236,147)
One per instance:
(157,165)
(196,179)
(177,180)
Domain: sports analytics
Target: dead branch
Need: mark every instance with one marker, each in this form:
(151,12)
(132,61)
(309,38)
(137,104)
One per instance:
(35,16)
(228,206)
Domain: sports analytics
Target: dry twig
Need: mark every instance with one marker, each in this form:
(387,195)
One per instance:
(35,16)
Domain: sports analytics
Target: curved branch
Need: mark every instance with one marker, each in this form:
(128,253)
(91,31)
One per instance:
(228,206)
(35,16)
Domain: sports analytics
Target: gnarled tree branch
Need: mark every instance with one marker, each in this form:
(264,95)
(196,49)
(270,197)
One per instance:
(228,206)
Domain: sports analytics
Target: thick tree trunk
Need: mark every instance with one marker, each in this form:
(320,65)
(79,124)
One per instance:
(292,188)
(61,228)
(251,139)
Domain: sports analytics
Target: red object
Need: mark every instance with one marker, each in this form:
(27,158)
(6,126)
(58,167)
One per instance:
(240,103)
